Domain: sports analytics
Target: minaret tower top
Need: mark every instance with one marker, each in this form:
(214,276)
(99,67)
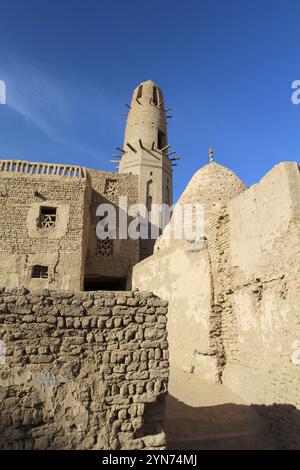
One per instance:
(145,152)
(146,123)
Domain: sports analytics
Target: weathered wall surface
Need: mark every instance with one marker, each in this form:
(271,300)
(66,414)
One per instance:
(116,263)
(259,295)
(82,371)
(70,249)
(184,279)
(23,244)
(240,298)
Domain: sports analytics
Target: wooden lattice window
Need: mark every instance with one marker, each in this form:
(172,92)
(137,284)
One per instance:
(104,247)
(110,187)
(48,217)
(39,272)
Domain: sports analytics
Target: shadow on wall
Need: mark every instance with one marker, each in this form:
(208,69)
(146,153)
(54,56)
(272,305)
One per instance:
(231,427)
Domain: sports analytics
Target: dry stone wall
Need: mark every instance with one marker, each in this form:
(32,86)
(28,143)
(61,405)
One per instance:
(82,370)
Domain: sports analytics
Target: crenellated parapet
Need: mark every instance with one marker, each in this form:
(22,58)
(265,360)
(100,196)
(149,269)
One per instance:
(41,169)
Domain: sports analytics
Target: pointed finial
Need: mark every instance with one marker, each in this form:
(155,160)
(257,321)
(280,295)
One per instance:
(211,154)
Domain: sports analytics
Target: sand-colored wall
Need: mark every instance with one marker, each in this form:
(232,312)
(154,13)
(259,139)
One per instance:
(69,249)
(23,244)
(82,370)
(262,319)
(183,278)
(240,297)
(125,252)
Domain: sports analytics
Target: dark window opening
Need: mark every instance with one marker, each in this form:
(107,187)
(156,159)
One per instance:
(39,272)
(155,97)
(161,140)
(149,204)
(48,217)
(149,196)
(168,196)
(140,92)
(104,283)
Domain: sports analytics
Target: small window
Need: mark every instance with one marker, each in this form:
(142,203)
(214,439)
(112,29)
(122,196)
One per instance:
(48,217)
(39,272)
(155,97)
(140,92)
(104,247)
(161,139)
(149,204)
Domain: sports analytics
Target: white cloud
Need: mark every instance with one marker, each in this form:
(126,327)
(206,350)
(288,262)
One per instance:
(2,92)
(42,101)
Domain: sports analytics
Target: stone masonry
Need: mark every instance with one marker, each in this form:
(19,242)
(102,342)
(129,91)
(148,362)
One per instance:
(82,370)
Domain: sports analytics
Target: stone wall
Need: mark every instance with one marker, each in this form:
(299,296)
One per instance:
(82,371)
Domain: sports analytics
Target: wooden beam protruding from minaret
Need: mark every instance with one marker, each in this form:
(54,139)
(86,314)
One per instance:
(131,147)
(165,148)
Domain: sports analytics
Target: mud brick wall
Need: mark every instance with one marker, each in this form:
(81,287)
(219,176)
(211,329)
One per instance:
(82,371)
(23,244)
(258,292)
(107,188)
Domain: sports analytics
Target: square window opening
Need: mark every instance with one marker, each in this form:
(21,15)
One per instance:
(39,272)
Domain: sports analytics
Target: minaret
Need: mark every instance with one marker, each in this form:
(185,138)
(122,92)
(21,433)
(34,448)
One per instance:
(146,151)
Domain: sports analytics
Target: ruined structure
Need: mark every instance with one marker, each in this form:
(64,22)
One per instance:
(48,211)
(233,296)
(82,371)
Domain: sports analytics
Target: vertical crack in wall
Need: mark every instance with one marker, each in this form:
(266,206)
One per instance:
(218,248)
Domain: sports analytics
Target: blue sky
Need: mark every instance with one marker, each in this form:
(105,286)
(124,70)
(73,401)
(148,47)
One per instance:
(225,67)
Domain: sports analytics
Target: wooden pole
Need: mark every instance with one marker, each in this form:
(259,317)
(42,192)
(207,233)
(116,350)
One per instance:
(131,147)
(165,148)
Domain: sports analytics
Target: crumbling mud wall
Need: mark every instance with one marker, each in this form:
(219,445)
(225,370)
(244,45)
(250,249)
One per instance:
(25,189)
(82,371)
(258,295)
